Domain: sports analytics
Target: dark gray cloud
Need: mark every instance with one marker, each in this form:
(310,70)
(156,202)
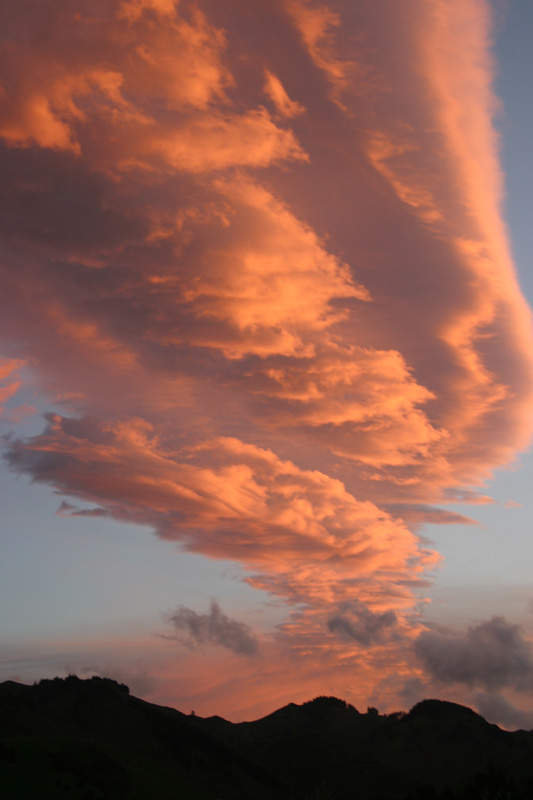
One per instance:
(357,622)
(496,708)
(492,654)
(70,510)
(215,628)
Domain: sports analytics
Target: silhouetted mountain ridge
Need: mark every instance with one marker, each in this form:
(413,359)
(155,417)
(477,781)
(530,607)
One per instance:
(64,739)
(440,708)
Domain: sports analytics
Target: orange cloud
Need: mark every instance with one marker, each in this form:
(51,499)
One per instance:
(358,402)
(275,90)
(229,499)
(132,10)
(217,142)
(164,97)
(10,381)
(265,283)
(316,25)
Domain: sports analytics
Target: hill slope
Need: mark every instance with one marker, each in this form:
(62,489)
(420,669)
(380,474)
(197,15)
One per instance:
(72,738)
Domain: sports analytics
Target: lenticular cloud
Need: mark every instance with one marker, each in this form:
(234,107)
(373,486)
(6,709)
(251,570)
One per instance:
(254,255)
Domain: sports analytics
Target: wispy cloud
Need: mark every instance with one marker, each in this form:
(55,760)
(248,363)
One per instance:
(70,510)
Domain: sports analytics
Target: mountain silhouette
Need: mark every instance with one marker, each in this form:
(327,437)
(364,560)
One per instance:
(65,739)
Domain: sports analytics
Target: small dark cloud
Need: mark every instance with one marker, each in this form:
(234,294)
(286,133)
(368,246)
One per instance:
(357,622)
(215,628)
(70,510)
(496,708)
(492,654)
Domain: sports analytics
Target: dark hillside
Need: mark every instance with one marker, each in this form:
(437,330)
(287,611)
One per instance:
(89,739)
(321,744)
(69,739)
(448,745)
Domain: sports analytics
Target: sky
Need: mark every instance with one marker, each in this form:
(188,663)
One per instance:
(267,354)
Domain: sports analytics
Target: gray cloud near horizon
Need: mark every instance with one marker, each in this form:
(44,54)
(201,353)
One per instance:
(215,627)
(492,654)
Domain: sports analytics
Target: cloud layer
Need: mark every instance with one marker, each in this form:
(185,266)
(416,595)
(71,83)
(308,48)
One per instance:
(253,254)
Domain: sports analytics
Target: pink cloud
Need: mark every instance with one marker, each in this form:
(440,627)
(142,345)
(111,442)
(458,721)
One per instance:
(512,504)
(283,103)
(11,381)
(8,370)
(228,499)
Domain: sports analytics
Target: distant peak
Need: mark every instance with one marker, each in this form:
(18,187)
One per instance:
(323,702)
(439,708)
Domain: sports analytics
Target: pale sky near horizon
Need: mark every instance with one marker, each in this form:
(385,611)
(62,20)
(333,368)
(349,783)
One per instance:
(95,592)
